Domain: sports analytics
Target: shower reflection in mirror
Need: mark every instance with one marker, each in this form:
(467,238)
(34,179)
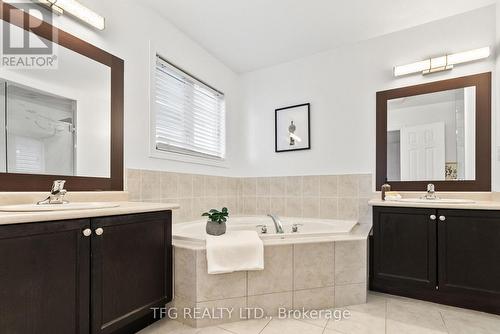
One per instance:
(40,131)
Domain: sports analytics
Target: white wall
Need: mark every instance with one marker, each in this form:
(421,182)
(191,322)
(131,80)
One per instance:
(341,85)
(130,28)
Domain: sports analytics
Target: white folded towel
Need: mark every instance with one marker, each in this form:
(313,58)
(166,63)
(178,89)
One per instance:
(234,251)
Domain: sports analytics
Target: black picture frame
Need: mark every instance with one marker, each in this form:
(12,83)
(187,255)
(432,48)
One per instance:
(276,112)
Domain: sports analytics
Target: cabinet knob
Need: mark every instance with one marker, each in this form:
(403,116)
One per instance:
(442,218)
(433,217)
(99,231)
(87,232)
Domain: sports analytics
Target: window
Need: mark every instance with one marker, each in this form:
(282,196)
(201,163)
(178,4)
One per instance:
(189,116)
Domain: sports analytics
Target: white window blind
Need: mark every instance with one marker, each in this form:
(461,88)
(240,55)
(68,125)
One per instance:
(189,115)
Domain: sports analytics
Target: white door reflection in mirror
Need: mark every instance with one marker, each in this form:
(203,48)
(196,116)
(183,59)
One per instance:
(432,136)
(422,152)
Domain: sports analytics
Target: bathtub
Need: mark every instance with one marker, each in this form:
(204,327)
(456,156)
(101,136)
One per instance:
(322,266)
(307,228)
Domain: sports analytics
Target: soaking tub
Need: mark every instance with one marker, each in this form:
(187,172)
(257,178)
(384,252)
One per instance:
(321,266)
(306,228)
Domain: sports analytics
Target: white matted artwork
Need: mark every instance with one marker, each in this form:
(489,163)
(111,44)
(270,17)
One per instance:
(292,128)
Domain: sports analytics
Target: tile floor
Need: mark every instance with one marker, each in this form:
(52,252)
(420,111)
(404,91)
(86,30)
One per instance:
(382,314)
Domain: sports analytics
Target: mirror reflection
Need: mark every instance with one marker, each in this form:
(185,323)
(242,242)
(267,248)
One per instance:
(432,136)
(56,120)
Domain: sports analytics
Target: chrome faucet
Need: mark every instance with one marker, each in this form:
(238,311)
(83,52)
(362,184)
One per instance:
(57,194)
(277,223)
(431,193)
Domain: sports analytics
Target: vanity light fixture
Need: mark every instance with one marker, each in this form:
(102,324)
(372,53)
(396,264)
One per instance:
(76,9)
(442,63)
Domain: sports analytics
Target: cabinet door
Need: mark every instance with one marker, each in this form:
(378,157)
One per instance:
(404,246)
(469,258)
(131,270)
(44,278)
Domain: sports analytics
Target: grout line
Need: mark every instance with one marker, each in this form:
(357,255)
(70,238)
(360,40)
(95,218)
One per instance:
(444,322)
(386,309)
(270,319)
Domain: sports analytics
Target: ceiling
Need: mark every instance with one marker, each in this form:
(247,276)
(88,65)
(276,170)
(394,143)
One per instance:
(251,34)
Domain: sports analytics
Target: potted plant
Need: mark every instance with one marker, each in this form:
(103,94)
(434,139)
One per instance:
(216,224)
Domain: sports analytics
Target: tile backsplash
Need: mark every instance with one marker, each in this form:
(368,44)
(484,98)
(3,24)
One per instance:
(325,196)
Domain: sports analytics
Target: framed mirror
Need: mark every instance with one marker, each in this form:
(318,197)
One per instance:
(438,133)
(61,116)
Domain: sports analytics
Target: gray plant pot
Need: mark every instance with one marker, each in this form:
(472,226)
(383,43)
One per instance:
(215,228)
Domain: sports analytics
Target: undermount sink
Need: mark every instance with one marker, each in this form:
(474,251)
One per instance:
(57,207)
(438,200)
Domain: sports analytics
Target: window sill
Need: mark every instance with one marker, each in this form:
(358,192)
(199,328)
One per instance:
(157,154)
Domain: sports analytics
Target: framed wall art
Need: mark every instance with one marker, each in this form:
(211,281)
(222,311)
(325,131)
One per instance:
(292,128)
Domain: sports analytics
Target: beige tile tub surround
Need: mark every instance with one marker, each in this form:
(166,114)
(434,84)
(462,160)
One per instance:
(309,275)
(315,196)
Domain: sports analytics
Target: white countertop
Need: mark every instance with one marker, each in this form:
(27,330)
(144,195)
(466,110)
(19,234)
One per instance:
(477,205)
(123,209)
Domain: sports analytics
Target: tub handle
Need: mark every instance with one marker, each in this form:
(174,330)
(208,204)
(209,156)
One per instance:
(263,228)
(295,227)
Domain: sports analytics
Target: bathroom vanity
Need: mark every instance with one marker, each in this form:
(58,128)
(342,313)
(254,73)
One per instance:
(99,271)
(449,255)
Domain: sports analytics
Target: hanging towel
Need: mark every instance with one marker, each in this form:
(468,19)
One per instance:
(234,251)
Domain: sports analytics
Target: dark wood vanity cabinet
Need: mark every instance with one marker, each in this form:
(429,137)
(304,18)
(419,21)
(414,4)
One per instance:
(131,270)
(55,279)
(45,277)
(445,256)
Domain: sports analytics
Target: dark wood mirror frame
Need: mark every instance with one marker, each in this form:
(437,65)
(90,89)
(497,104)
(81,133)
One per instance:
(483,133)
(38,182)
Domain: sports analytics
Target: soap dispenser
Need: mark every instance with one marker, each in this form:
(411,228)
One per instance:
(385,188)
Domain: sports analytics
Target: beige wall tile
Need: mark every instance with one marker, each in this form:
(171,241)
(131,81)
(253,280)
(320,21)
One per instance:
(211,186)
(352,294)
(271,303)
(249,205)
(198,186)
(263,205)
(365,210)
(278,206)
(222,186)
(185,212)
(150,185)
(249,186)
(293,206)
(277,275)
(199,206)
(134,184)
(313,265)
(185,273)
(263,186)
(348,208)
(328,186)
(328,208)
(185,185)
(348,185)
(310,186)
(232,186)
(293,186)
(310,207)
(169,185)
(314,299)
(365,185)
(214,287)
(350,262)
(278,186)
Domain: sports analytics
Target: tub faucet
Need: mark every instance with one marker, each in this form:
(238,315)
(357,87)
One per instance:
(56,194)
(277,223)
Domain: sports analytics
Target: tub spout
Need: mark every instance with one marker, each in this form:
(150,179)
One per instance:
(277,223)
